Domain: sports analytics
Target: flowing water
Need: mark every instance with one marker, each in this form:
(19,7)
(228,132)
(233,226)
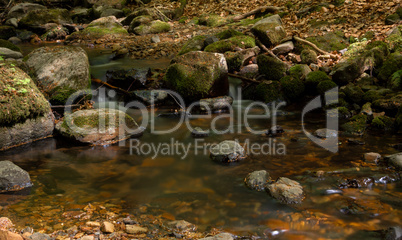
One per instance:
(187,184)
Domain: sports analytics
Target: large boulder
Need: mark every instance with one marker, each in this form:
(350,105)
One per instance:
(25,114)
(22,9)
(7,53)
(286,191)
(98,126)
(395,160)
(269,30)
(37,19)
(271,68)
(197,75)
(12,177)
(60,71)
(101,27)
(227,151)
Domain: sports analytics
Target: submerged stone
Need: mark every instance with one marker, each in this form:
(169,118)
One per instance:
(227,151)
(12,177)
(257,180)
(286,191)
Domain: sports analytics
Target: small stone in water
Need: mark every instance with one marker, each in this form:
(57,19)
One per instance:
(372,157)
(93,224)
(133,229)
(107,227)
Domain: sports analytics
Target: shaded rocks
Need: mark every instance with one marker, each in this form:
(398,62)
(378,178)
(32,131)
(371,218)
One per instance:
(196,43)
(101,27)
(37,19)
(198,132)
(227,151)
(25,114)
(326,133)
(150,97)
(372,157)
(156,26)
(283,48)
(258,180)
(197,75)
(60,71)
(21,9)
(271,68)
(394,233)
(220,236)
(98,126)
(269,30)
(395,160)
(127,79)
(12,177)
(216,104)
(6,32)
(182,225)
(286,191)
(8,53)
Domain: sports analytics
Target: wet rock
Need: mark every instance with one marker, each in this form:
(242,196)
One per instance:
(372,157)
(269,30)
(25,114)
(249,71)
(386,178)
(216,104)
(150,97)
(8,53)
(182,226)
(40,236)
(286,191)
(21,9)
(81,15)
(227,151)
(199,133)
(275,130)
(326,133)
(357,183)
(197,75)
(50,186)
(60,71)
(93,224)
(283,48)
(257,180)
(237,43)
(356,125)
(127,79)
(36,20)
(134,229)
(394,233)
(107,227)
(55,33)
(395,160)
(220,236)
(90,126)
(99,28)
(6,235)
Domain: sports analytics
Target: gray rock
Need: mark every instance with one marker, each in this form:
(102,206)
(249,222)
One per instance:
(150,97)
(112,12)
(8,53)
(220,236)
(12,177)
(286,191)
(227,151)
(12,22)
(21,9)
(182,225)
(205,74)
(283,48)
(249,71)
(395,160)
(40,236)
(140,20)
(372,157)
(91,126)
(155,39)
(257,180)
(269,30)
(216,104)
(14,40)
(394,233)
(60,71)
(326,133)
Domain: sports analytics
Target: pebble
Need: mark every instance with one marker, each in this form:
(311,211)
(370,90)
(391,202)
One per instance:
(134,229)
(107,227)
(93,224)
(87,238)
(372,157)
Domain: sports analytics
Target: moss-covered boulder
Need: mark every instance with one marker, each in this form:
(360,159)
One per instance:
(228,33)
(9,45)
(383,123)
(299,71)
(308,56)
(313,79)
(6,32)
(395,81)
(197,75)
(269,30)
(333,41)
(395,39)
(20,10)
(354,94)
(35,20)
(212,20)
(196,43)
(138,21)
(236,60)
(153,27)
(99,28)
(60,71)
(25,114)
(390,103)
(356,125)
(392,64)
(98,126)
(270,67)
(266,91)
(346,72)
(230,44)
(325,85)
(292,88)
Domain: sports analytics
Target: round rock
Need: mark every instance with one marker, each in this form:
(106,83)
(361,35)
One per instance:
(257,180)
(227,151)
(326,133)
(13,178)
(286,191)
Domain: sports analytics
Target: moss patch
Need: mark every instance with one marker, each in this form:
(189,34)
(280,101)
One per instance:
(197,43)
(324,86)
(266,91)
(228,33)
(392,64)
(395,81)
(270,67)
(230,44)
(6,32)
(330,41)
(313,79)
(292,88)
(357,124)
(212,20)
(308,56)
(383,122)
(9,45)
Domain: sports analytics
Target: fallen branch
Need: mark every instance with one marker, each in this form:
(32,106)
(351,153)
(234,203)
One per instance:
(302,41)
(110,86)
(243,78)
(64,106)
(268,9)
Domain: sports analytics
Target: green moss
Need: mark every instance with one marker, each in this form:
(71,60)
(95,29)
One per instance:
(353,93)
(20,99)
(396,81)
(324,86)
(289,5)
(266,91)
(368,35)
(308,56)
(159,27)
(228,33)
(248,21)
(296,71)
(383,122)
(234,61)
(344,112)
(292,88)
(329,42)
(183,20)
(371,96)
(271,68)
(9,45)
(313,79)
(398,118)
(379,44)
(230,44)
(212,20)
(392,64)
(196,43)
(356,125)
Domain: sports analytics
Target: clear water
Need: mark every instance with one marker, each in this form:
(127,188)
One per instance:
(196,189)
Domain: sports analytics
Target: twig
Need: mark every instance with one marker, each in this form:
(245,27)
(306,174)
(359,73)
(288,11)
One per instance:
(110,86)
(243,78)
(266,9)
(163,15)
(315,47)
